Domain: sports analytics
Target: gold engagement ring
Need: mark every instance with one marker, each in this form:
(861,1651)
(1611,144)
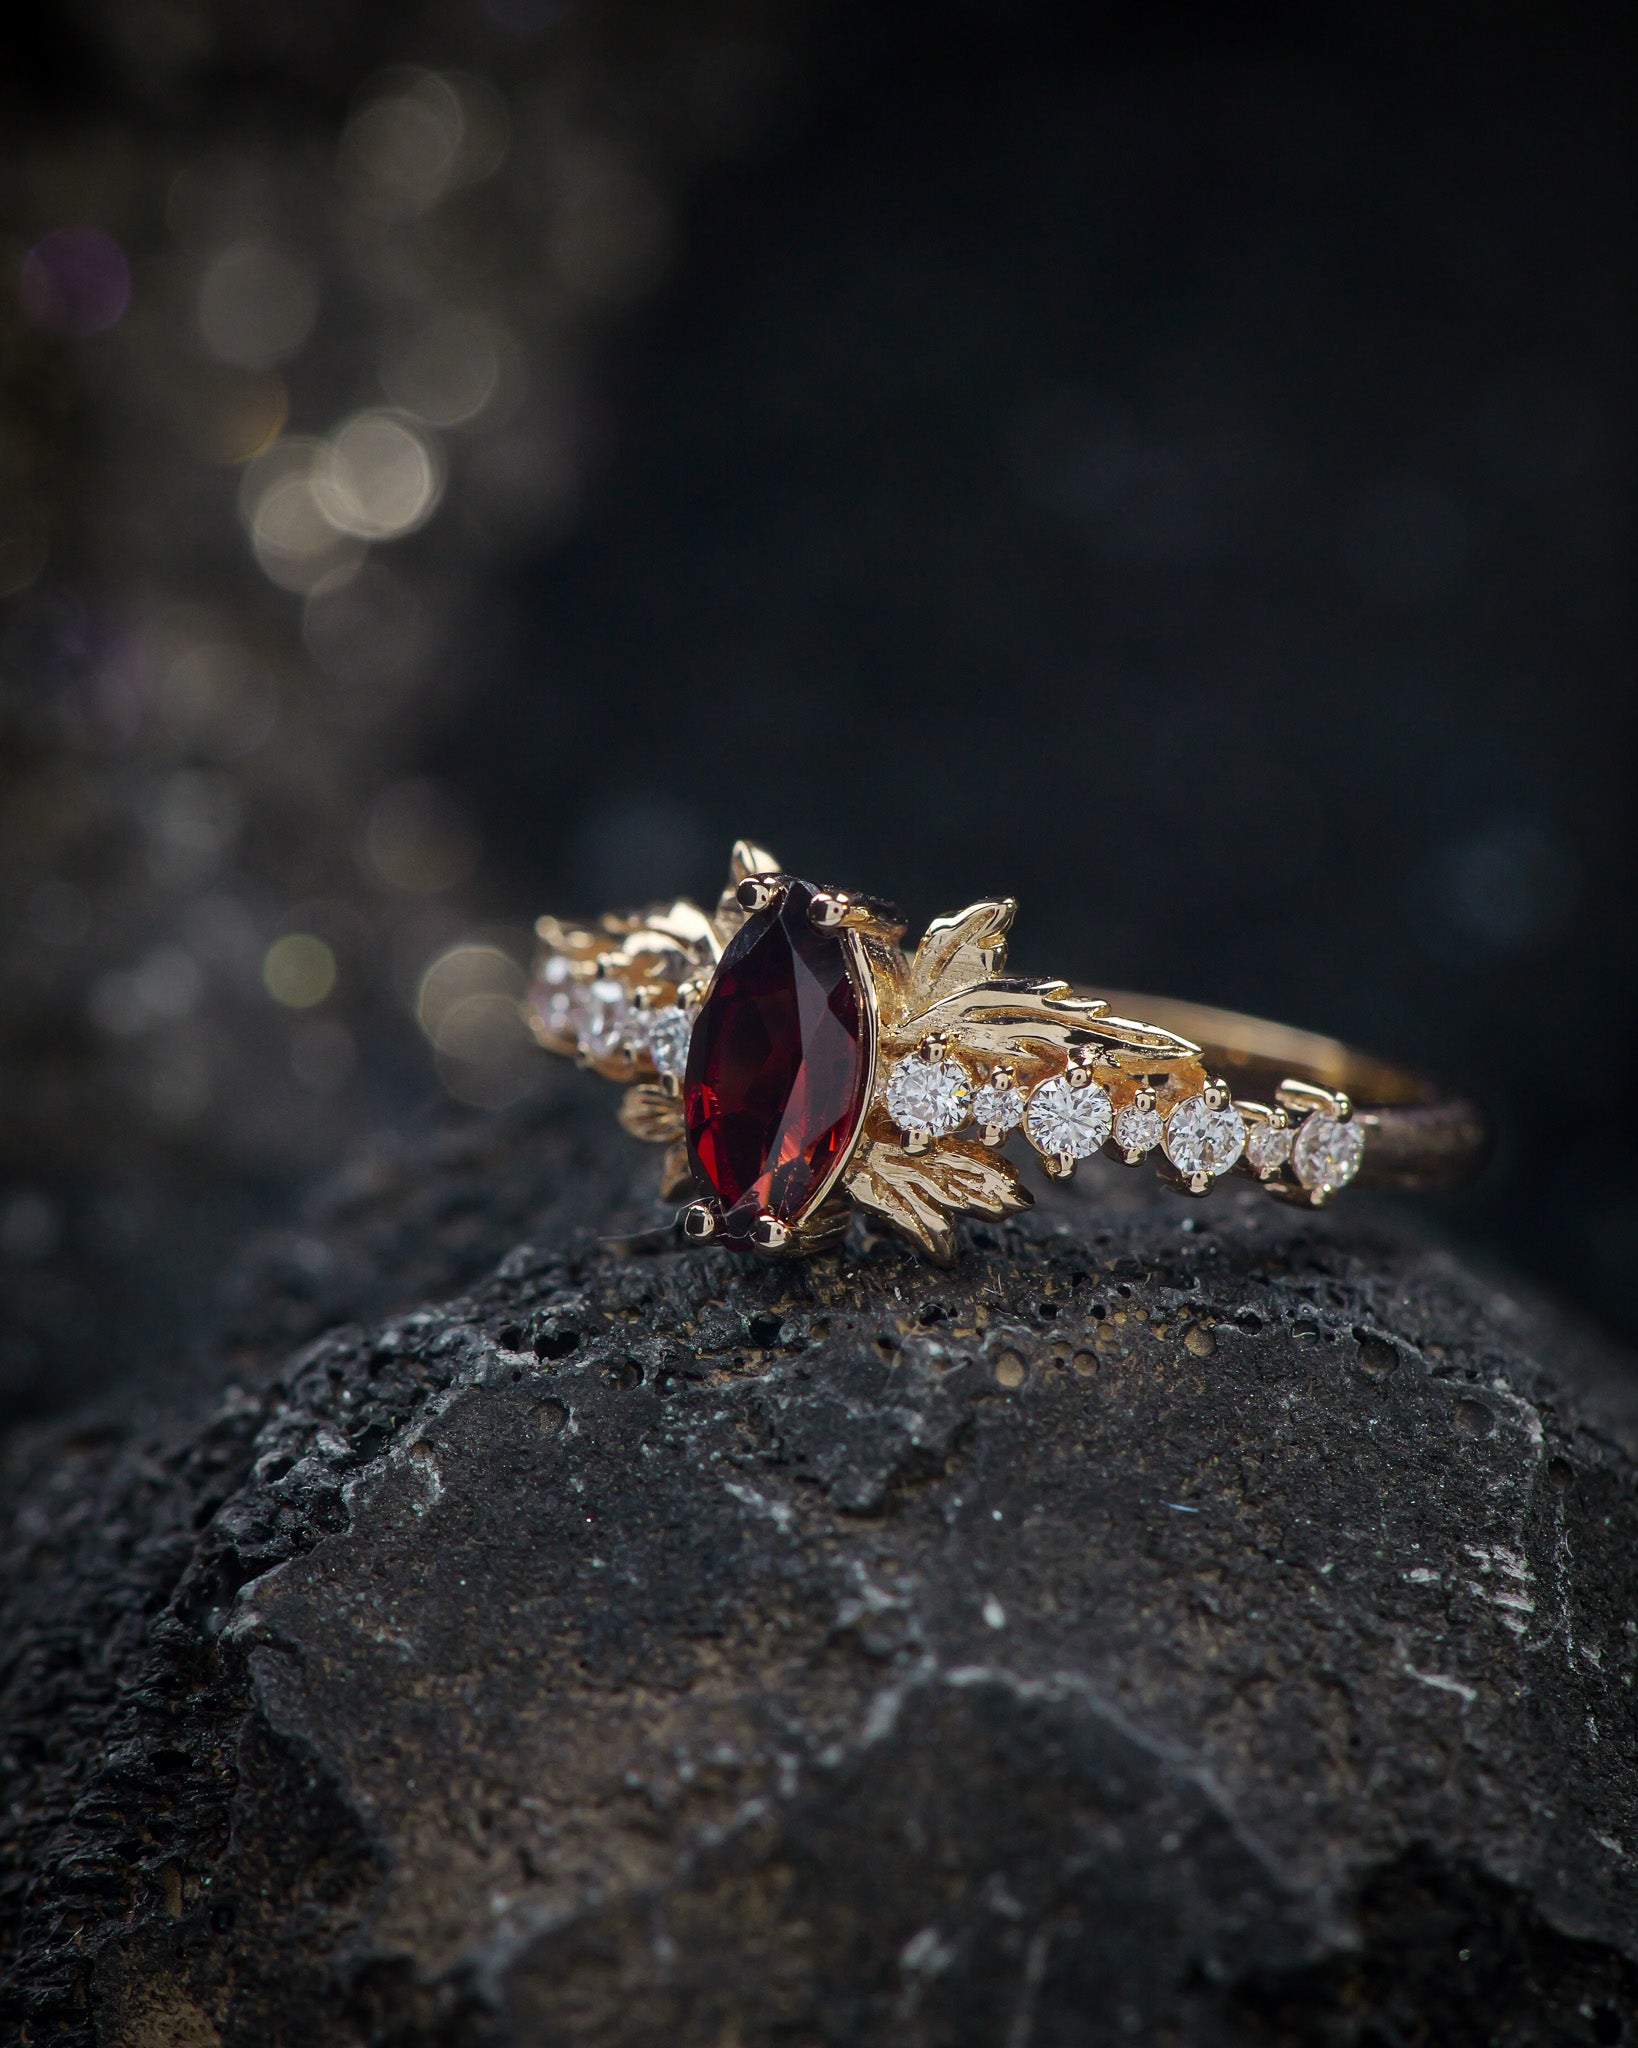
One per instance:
(798,1064)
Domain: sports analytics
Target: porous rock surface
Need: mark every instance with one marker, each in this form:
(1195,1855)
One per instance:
(1181,1624)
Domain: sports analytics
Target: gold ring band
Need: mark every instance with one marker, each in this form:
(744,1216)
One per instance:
(799,1064)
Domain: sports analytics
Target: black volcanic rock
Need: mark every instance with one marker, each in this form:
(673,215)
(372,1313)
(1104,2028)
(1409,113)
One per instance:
(1182,1624)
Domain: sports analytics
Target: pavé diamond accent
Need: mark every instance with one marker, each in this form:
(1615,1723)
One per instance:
(1065,1122)
(930,1097)
(998,1106)
(606,1020)
(1200,1139)
(665,1035)
(1327,1153)
(558,1000)
(1268,1147)
(1138,1130)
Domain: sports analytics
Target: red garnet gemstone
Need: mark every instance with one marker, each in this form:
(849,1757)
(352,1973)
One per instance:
(778,1067)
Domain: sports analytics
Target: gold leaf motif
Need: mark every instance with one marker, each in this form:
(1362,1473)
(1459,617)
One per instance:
(576,941)
(685,925)
(917,1194)
(959,951)
(649,1113)
(748,858)
(1035,1020)
(675,1178)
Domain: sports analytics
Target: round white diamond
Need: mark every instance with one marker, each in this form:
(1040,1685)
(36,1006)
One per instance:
(998,1106)
(1065,1122)
(1137,1130)
(1327,1153)
(1200,1139)
(1268,1147)
(928,1097)
(557,999)
(666,1032)
(605,1024)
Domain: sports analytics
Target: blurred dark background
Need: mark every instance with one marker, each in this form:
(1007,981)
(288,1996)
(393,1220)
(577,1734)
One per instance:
(1172,465)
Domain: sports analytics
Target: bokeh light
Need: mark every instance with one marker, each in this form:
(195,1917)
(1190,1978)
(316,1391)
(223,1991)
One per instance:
(376,478)
(299,970)
(298,545)
(369,291)
(447,372)
(470,1006)
(257,305)
(474,967)
(418,135)
(77,280)
(486,1056)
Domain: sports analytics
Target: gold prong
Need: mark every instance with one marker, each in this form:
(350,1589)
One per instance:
(1060,1165)
(1079,1071)
(934,1046)
(917,1141)
(991,1135)
(689,993)
(820,1228)
(1133,1158)
(828,909)
(1144,1099)
(1345,1107)
(1200,1183)
(837,910)
(670,1084)
(1216,1094)
(1003,1074)
(756,892)
(1302,1096)
(699,1222)
(840,910)
(768,1234)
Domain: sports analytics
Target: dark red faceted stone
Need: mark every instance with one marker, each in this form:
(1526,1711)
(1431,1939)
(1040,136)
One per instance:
(778,1066)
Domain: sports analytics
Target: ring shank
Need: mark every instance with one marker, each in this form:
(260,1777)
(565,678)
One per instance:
(1418,1136)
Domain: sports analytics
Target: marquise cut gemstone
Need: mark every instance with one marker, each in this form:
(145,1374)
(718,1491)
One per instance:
(778,1067)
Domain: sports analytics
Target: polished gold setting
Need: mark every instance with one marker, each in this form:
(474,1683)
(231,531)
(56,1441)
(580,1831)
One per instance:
(1203,1093)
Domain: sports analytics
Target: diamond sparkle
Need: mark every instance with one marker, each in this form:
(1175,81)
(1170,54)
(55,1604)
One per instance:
(606,1021)
(558,1000)
(1327,1153)
(666,1033)
(1066,1122)
(998,1106)
(1200,1139)
(928,1097)
(1137,1130)
(1268,1147)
